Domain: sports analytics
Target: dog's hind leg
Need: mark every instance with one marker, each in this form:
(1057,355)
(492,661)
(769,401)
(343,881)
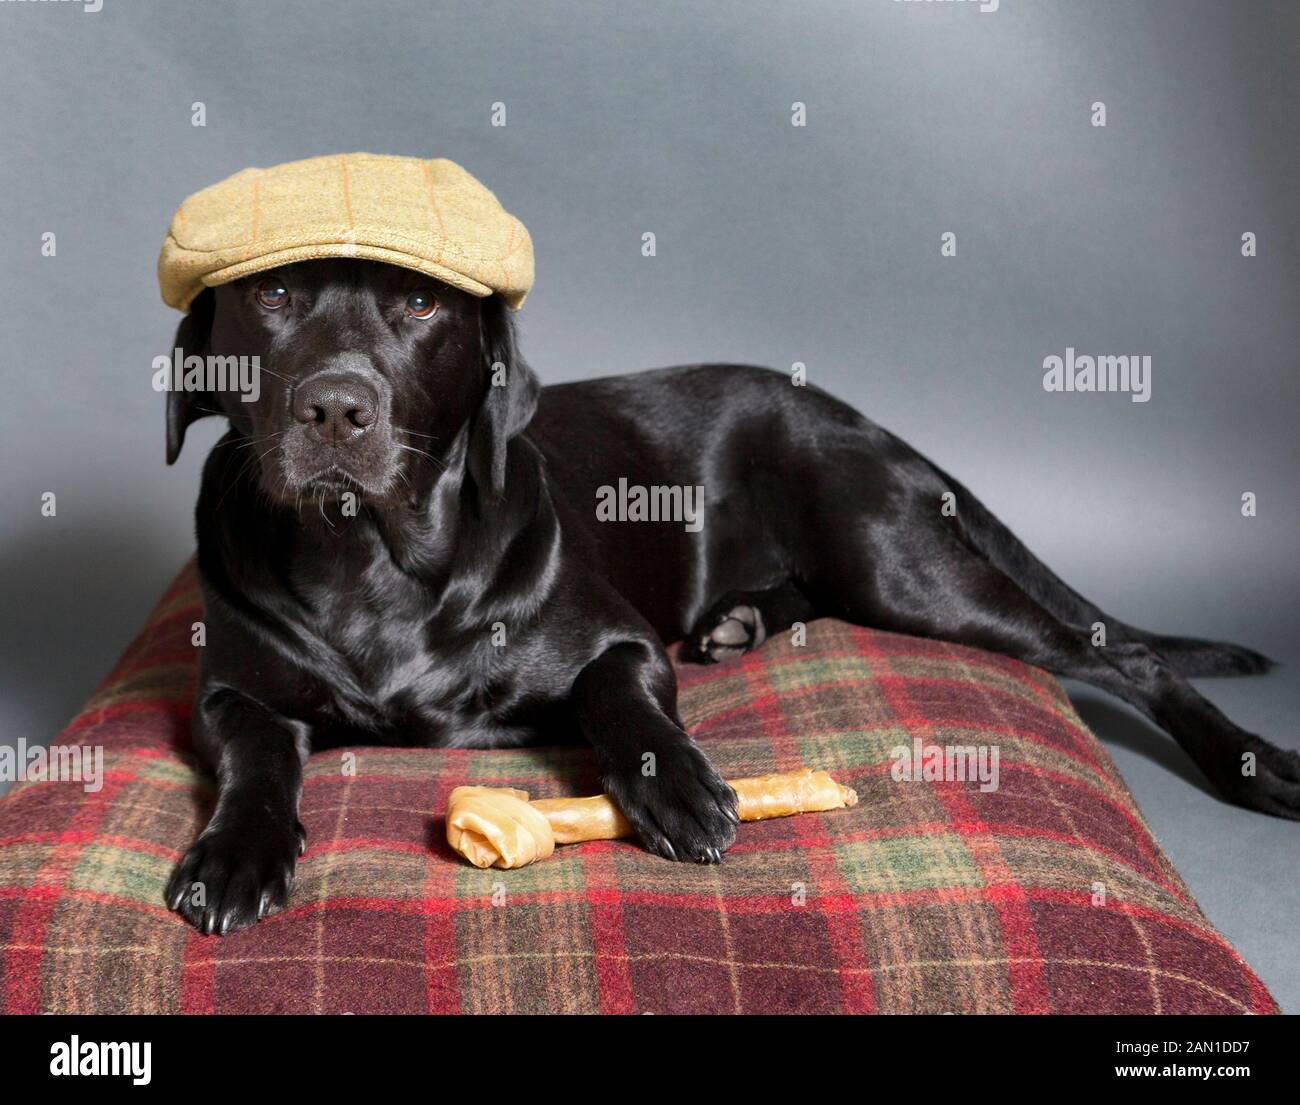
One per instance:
(1189,656)
(740,621)
(945,591)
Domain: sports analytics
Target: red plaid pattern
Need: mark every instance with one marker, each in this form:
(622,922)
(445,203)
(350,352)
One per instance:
(1045,895)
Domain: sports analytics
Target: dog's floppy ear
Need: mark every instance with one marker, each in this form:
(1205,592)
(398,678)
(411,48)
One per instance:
(510,401)
(192,338)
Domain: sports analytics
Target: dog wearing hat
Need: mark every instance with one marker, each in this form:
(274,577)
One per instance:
(405,540)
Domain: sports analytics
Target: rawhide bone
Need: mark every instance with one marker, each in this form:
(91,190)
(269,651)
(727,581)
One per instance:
(500,827)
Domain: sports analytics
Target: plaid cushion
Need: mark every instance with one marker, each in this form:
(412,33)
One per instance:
(1045,895)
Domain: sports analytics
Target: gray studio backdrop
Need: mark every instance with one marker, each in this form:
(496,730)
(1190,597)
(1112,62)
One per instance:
(774,244)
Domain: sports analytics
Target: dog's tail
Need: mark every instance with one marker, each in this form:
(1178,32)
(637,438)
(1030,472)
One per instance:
(1189,656)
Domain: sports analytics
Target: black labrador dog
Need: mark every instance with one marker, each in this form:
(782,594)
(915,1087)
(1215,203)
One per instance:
(406,541)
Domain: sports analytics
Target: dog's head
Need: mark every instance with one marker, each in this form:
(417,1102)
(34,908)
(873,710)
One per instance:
(371,377)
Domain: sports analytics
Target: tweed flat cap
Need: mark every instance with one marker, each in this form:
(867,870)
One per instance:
(431,216)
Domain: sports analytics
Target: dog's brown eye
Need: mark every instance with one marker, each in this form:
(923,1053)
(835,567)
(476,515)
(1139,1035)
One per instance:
(421,304)
(272,294)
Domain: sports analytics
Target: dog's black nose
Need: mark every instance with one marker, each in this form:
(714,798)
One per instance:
(336,408)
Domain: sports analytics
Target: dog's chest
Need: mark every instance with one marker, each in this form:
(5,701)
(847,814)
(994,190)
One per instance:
(416,678)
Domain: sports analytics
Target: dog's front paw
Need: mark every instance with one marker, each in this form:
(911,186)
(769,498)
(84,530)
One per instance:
(233,876)
(679,805)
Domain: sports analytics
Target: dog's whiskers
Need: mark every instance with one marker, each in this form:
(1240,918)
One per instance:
(320,503)
(414,433)
(421,453)
(252,441)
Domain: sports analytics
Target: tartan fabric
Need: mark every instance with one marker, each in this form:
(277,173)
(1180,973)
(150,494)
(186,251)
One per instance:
(928,897)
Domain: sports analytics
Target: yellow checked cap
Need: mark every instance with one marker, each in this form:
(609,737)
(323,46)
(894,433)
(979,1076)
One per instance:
(430,216)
